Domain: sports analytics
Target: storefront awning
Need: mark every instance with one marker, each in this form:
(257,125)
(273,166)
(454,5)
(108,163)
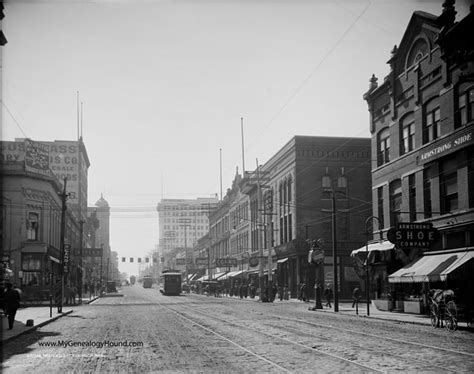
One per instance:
(214,277)
(282,260)
(377,246)
(54,259)
(435,266)
(265,270)
(232,274)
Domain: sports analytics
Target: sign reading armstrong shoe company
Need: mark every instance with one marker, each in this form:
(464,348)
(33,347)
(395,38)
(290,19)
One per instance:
(413,235)
(446,145)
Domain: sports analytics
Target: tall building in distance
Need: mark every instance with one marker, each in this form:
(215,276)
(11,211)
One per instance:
(183,221)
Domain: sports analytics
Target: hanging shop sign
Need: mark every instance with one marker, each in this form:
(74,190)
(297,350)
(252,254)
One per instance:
(226,262)
(66,258)
(413,235)
(201,261)
(88,252)
(180,261)
(253,261)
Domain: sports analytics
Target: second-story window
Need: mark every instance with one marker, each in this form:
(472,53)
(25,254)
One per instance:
(383,147)
(448,186)
(33,226)
(395,202)
(380,202)
(408,134)
(465,110)
(432,122)
(412,197)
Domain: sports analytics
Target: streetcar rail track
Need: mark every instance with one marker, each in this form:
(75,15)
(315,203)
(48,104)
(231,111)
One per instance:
(464,353)
(403,341)
(384,352)
(311,348)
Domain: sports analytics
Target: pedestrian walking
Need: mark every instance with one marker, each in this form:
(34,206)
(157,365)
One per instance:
(355,296)
(302,295)
(328,295)
(12,303)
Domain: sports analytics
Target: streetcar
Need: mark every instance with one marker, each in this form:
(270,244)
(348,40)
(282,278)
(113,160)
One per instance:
(147,281)
(170,282)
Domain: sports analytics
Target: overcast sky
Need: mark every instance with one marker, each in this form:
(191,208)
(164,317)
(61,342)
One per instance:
(165,83)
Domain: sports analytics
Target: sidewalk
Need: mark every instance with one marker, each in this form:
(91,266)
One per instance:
(40,316)
(346,308)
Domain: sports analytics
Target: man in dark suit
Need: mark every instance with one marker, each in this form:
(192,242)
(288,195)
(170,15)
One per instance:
(12,303)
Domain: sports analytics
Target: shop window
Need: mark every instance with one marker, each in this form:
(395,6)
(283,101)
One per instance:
(30,262)
(408,134)
(456,239)
(383,147)
(432,121)
(31,278)
(32,226)
(395,202)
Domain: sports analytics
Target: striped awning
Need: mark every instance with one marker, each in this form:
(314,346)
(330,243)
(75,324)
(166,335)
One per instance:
(436,266)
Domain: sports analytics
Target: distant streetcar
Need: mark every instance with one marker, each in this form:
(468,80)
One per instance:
(170,282)
(147,281)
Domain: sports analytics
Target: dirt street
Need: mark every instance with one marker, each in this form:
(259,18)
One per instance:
(145,331)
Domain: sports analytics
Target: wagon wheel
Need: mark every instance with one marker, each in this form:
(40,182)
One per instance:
(451,309)
(451,316)
(434,315)
(451,323)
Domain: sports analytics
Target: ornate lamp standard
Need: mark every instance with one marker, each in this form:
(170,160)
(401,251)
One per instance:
(369,225)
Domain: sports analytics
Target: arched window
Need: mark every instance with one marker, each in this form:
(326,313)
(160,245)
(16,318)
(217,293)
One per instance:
(383,147)
(418,50)
(431,121)
(407,131)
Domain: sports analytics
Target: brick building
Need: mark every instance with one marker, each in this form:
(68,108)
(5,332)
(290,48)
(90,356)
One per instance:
(421,121)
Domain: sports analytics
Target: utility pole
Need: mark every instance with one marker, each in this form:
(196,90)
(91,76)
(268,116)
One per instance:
(259,220)
(81,234)
(64,196)
(269,234)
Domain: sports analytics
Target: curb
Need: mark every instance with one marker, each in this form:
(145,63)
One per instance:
(371,317)
(33,328)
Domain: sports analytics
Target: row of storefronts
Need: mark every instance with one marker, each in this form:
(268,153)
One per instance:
(417,168)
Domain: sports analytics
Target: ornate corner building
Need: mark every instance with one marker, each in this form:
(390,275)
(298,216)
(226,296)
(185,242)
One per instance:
(422,127)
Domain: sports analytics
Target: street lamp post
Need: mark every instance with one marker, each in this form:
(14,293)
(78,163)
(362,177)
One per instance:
(327,185)
(368,221)
(334,253)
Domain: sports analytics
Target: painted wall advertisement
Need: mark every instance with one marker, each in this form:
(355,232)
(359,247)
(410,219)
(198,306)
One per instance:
(60,157)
